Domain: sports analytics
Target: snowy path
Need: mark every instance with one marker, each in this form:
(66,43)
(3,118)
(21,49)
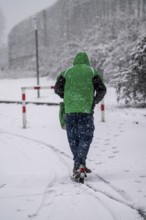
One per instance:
(59,191)
(36,164)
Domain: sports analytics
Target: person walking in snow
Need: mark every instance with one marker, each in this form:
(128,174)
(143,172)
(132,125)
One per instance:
(81,88)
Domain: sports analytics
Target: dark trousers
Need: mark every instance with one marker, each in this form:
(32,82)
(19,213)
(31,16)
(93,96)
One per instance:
(80,129)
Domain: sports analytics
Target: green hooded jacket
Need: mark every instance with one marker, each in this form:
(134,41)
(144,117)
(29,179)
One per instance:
(78,88)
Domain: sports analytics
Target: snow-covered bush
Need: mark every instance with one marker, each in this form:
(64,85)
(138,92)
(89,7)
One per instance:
(131,81)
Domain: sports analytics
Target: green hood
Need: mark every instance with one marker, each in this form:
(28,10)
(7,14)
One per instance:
(81,58)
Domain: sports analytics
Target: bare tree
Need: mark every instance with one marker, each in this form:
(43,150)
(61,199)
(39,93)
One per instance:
(2,26)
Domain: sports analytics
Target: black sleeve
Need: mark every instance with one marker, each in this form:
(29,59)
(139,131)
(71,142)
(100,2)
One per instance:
(100,89)
(59,86)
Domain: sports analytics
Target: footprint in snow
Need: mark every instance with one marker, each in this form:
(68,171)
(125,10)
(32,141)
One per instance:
(116,135)
(142,176)
(121,131)
(107,140)
(110,157)
(115,152)
(32,216)
(20,210)
(59,194)
(106,144)
(98,163)
(137,181)
(48,204)
(51,191)
(2,185)
(126,171)
(114,147)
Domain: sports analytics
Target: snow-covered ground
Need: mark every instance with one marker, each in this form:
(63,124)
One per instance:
(36,162)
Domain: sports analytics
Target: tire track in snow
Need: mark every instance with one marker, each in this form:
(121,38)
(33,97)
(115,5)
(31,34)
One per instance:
(88,185)
(61,153)
(122,193)
(116,208)
(34,214)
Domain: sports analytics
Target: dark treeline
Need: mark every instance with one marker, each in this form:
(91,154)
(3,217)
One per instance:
(67,27)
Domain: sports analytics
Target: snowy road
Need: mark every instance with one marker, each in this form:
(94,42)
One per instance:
(40,190)
(36,165)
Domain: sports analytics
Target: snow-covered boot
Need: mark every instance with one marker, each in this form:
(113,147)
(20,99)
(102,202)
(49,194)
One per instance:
(76,174)
(82,174)
(79,174)
(87,170)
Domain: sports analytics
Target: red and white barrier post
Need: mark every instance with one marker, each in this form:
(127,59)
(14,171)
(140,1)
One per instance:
(23,89)
(102,108)
(24,106)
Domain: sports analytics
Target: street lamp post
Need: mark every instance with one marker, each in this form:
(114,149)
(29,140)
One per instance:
(34,23)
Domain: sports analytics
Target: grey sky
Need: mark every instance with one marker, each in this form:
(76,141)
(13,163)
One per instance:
(17,10)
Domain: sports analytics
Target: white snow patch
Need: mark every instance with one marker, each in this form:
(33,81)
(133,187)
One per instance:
(36,163)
